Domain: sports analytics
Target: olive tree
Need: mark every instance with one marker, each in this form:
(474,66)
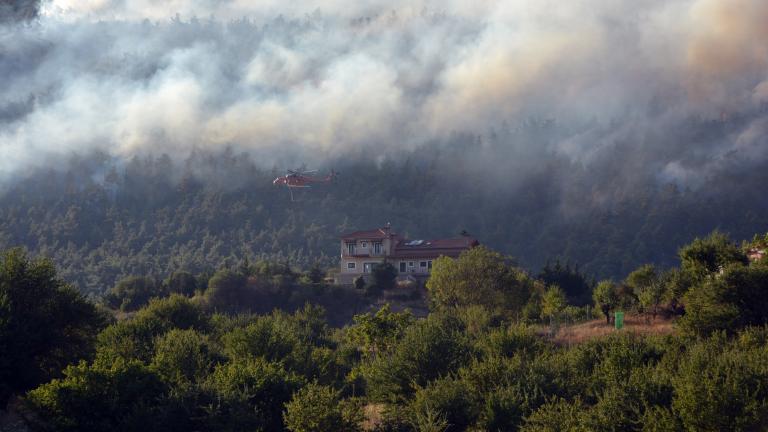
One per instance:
(647,287)
(605,298)
(478,276)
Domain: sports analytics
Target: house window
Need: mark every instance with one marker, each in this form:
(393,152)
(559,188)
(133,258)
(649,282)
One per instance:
(423,264)
(364,244)
(377,248)
(429,265)
(350,248)
(402,266)
(367,267)
(351,265)
(410,263)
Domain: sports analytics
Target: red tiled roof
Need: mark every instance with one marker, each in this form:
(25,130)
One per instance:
(427,254)
(434,248)
(380,233)
(414,249)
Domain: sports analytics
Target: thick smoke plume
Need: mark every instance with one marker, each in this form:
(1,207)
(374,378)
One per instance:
(313,81)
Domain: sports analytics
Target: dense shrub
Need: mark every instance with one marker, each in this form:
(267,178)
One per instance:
(181,282)
(576,285)
(446,398)
(127,396)
(44,324)
(722,388)
(134,338)
(227,290)
(319,408)
(556,415)
(732,300)
(133,292)
(428,349)
(384,276)
(249,394)
(183,358)
(479,277)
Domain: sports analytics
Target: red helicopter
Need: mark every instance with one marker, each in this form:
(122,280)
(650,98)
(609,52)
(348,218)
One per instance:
(302,178)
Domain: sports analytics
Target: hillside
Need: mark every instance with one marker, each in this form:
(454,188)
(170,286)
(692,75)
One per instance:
(484,356)
(383,216)
(102,219)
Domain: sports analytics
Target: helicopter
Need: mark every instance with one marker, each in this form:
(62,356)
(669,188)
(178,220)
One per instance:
(302,178)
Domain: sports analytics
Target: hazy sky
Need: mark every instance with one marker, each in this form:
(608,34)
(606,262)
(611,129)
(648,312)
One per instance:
(329,79)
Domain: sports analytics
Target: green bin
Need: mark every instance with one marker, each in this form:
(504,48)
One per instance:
(618,320)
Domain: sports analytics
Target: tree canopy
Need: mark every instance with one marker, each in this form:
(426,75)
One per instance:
(45,324)
(474,362)
(479,276)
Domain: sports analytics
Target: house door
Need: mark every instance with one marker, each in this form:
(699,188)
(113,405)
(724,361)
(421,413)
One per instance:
(402,266)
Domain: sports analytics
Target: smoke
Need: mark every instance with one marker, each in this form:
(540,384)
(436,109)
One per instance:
(19,10)
(614,83)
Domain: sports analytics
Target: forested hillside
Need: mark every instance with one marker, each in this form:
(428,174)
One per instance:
(102,219)
(483,359)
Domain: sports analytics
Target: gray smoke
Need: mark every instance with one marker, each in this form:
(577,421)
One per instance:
(608,82)
(19,10)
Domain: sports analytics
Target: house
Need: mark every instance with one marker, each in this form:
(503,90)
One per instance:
(362,250)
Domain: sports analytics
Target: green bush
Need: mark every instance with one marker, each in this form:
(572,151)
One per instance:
(556,416)
(378,332)
(448,399)
(479,277)
(708,255)
(127,396)
(44,324)
(289,339)
(503,409)
(249,394)
(227,290)
(181,282)
(134,338)
(428,349)
(733,300)
(553,302)
(317,408)
(510,340)
(270,337)
(576,285)
(133,292)
(648,287)
(183,358)
(384,275)
(722,388)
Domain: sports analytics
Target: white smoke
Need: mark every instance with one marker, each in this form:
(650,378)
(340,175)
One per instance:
(331,79)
